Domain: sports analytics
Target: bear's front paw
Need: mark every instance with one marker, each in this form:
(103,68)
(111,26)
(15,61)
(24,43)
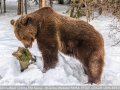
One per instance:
(53,64)
(22,70)
(45,70)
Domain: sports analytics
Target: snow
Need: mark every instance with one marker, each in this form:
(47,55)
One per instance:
(68,70)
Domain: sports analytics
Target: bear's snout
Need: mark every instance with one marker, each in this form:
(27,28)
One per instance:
(28,46)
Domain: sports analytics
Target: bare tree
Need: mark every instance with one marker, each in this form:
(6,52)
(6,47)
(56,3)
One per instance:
(84,7)
(60,1)
(25,5)
(40,3)
(99,8)
(4,6)
(51,3)
(43,3)
(19,7)
(36,2)
(22,8)
(1,6)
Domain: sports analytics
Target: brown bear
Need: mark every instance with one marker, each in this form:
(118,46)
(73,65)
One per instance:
(71,36)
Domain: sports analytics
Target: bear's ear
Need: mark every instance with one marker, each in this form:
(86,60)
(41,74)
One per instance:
(12,22)
(24,20)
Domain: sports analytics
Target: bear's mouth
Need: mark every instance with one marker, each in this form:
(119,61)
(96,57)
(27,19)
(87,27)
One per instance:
(28,46)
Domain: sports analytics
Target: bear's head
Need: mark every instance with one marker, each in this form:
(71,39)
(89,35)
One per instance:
(25,30)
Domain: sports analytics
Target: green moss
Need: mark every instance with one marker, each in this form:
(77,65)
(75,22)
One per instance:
(24,57)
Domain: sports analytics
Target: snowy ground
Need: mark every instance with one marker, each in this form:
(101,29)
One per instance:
(68,71)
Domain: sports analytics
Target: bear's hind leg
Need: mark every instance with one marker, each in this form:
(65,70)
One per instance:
(94,69)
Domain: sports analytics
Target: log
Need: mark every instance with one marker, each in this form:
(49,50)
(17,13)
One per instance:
(24,56)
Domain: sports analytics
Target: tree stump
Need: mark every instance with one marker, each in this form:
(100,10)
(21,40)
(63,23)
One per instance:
(24,56)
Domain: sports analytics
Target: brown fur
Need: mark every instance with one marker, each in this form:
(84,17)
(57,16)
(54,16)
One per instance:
(71,36)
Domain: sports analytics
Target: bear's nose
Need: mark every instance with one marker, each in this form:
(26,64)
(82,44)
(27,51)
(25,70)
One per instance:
(26,46)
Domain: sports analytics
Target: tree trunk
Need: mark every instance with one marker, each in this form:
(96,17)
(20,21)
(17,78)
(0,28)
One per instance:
(60,1)
(22,9)
(72,11)
(1,6)
(40,3)
(100,8)
(36,2)
(19,7)
(69,2)
(25,5)
(51,3)
(43,3)
(4,6)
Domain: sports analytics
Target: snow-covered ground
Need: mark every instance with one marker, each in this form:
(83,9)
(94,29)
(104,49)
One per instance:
(68,71)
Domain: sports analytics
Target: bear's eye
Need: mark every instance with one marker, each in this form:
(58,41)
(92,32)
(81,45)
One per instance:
(24,38)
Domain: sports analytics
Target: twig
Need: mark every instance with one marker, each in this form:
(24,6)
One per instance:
(116,43)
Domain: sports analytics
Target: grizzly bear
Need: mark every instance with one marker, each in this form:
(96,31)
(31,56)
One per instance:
(73,37)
